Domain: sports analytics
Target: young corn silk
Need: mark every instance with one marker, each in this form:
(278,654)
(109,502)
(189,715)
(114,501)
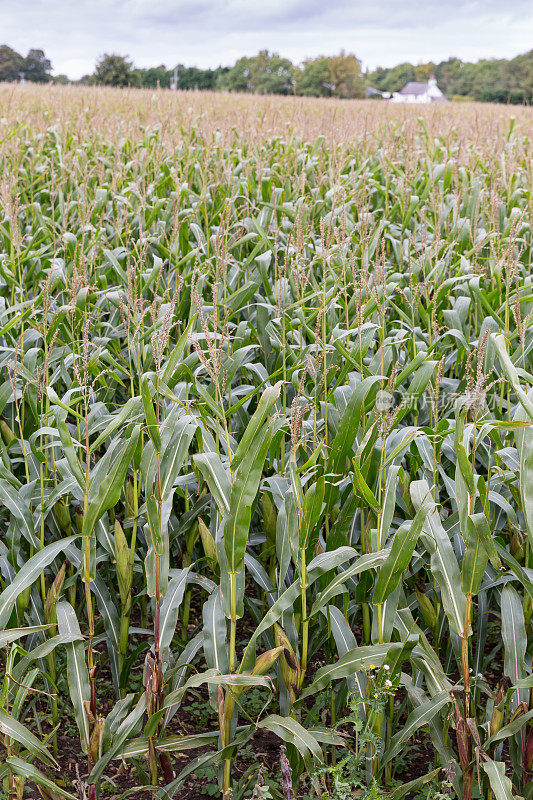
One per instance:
(266,408)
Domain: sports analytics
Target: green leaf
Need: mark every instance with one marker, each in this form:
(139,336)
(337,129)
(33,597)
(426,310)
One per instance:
(154,523)
(499,782)
(176,452)
(388,505)
(149,414)
(514,636)
(124,730)
(417,719)
(443,561)
(512,728)
(524,444)
(337,584)
(27,575)
(41,651)
(216,478)
(292,732)
(68,448)
(214,633)
(31,773)
(216,757)
(511,373)
(14,502)
(243,494)
(177,354)
(267,401)
(466,468)
(13,728)
(107,481)
(318,566)
(401,552)
(127,412)
(476,555)
(77,673)
(311,511)
(210,676)
(353,661)
(170,607)
(342,444)
(6,637)
(367,495)
(169,744)
(413,786)
(417,386)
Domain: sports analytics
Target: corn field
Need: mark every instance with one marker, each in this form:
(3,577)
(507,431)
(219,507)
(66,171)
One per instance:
(266,448)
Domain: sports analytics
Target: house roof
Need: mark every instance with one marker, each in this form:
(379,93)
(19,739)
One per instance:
(413,87)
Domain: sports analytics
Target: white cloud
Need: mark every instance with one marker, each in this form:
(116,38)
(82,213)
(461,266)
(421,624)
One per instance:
(213,32)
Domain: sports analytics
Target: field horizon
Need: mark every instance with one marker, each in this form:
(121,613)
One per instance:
(275,114)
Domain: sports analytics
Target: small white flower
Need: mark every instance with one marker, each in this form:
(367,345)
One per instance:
(480,676)
(388,684)
(386,667)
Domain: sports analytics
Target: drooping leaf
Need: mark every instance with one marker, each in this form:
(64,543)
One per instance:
(400,555)
(34,775)
(77,672)
(443,561)
(107,481)
(28,574)
(13,728)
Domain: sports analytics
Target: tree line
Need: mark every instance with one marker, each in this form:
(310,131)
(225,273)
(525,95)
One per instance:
(488,80)
(265,73)
(35,67)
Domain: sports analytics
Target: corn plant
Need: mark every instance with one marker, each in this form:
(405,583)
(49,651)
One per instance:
(265,415)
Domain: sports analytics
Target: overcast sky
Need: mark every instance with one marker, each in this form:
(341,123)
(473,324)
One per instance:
(207,33)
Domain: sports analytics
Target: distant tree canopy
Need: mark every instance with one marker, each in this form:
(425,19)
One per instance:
(313,79)
(331,76)
(493,80)
(10,63)
(489,80)
(265,73)
(345,76)
(13,66)
(37,67)
(188,77)
(151,77)
(115,70)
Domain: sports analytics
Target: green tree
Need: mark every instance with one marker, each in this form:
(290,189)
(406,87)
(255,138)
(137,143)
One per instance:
(11,63)
(239,77)
(272,74)
(195,78)
(345,76)
(488,80)
(423,72)
(393,78)
(154,76)
(37,67)
(447,73)
(313,79)
(265,73)
(115,70)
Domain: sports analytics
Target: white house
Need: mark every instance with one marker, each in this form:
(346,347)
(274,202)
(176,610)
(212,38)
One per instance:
(415,92)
